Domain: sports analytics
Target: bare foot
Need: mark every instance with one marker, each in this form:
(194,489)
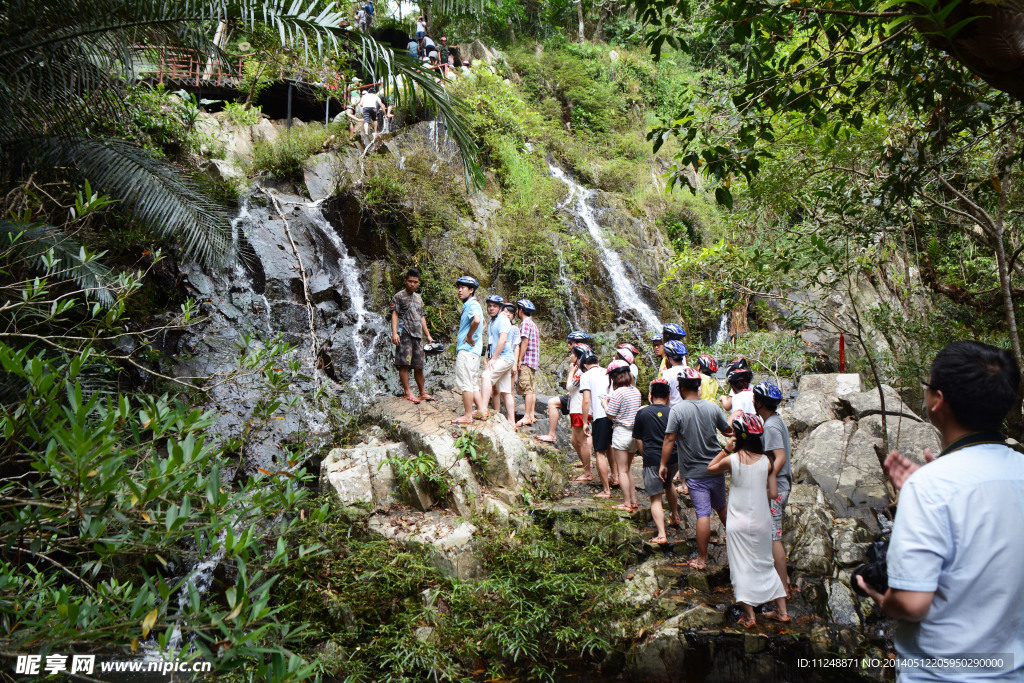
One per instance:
(545,438)
(585,477)
(603,494)
(660,540)
(697,563)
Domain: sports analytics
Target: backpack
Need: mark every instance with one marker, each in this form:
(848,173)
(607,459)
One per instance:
(369,9)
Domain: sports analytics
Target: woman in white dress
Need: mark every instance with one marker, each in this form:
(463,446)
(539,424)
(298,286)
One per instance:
(749,525)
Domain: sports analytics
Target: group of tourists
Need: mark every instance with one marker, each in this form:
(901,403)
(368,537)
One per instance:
(953,562)
(423,48)
(676,434)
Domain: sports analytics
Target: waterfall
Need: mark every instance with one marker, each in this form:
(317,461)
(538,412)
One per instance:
(626,294)
(365,321)
(572,314)
(722,336)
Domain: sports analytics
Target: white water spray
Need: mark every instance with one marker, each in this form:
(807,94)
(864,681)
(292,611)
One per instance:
(625,291)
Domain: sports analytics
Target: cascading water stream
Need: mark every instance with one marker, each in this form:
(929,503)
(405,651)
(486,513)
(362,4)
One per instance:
(722,336)
(625,291)
(572,314)
(365,320)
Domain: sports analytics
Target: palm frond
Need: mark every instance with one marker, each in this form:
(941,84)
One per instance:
(35,241)
(149,188)
(65,61)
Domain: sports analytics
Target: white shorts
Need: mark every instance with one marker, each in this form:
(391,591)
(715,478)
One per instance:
(500,374)
(467,371)
(622,439)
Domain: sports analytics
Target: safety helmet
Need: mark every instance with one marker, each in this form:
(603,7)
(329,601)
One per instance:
(632,349)
(738,371)
(495,299)
(749,431)
(673,331)
(527,306)
(589,358)
(468,281)
(675,348)
(616,365)
(510,308)
(768,392)
(708,364)
(577,336)
(581,350)
(626,355)
(690,379)
(656,339)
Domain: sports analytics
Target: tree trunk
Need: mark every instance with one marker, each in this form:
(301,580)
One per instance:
(579,15)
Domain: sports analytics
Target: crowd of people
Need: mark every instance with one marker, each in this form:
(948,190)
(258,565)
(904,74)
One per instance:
(676,434)
(953,578)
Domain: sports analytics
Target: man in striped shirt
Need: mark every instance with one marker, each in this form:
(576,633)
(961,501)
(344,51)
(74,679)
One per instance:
(527,360)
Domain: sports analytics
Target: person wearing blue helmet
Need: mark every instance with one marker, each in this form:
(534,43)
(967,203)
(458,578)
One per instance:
(675,363)
(469,345)
(497,374)
(673,332)
(527,360)
(658,342)
(767,398)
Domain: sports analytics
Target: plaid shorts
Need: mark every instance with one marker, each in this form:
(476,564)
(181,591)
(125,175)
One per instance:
(409,352)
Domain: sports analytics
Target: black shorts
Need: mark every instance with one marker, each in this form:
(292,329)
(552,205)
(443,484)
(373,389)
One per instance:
(601,429)
(369,114)
(564,400)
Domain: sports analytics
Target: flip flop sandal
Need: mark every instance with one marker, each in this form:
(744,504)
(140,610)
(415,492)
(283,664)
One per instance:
(462,421)
(693,564)
(602,494)
(775,616)
(411,399)
(480,416)
(659,540)
(624,508)
(427,397)
(747,624)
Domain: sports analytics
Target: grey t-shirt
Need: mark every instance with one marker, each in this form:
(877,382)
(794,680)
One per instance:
(695,423)
(776,435)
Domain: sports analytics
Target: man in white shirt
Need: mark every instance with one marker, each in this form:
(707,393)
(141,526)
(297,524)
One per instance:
(675,363)
(372,106)
(956,558)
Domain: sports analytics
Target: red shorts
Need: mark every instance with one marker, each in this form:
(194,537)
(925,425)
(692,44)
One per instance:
(576,419)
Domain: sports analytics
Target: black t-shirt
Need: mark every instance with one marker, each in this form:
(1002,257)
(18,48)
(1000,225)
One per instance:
(649,426)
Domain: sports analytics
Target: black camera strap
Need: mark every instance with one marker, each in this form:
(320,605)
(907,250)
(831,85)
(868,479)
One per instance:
(975,439)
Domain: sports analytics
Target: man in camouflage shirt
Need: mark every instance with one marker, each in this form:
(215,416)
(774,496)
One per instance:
(408,326)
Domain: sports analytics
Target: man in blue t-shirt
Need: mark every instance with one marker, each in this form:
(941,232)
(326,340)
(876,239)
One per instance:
(498,370)
(469,345)
(956,558)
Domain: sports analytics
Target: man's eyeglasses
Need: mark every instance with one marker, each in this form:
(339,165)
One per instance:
(929,385)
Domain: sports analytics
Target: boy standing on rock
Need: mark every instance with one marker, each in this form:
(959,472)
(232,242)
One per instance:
(469,345)
(528,360)
(498,370)
(776,442)
(408,326)
(659,468)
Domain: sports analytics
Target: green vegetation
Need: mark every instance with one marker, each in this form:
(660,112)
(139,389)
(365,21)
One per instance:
(386,612)
(282,158)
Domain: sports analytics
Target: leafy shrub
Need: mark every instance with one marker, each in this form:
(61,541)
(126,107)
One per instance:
(242,114)
(282,157)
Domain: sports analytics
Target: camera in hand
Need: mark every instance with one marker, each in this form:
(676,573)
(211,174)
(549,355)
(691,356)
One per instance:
(875,572)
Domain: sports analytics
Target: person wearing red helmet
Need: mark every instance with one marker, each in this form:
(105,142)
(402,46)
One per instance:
(708,366)
(751,565)
(626,353)
(692,424)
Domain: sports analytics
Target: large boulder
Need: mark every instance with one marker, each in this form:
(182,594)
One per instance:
(908,436)
(807,528)
(477,51)
(363,475)
(864,403)
(452,544)
(831,385)
(810,409)
(841,460)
